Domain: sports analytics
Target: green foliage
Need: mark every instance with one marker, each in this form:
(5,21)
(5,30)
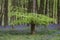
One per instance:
(26,18)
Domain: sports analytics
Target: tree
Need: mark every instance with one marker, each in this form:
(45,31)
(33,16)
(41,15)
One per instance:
(30,6)
(51,2)
(32,19)
(41,8)
(0,14)
(1,11)
(32,23)
(47,7)
(58,14)
(36,6)
(5,12)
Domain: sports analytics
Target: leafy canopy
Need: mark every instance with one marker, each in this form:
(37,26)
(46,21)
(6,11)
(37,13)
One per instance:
(26,18)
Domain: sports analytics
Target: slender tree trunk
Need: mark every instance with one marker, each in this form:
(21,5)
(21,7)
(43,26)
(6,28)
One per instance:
(51,2)
(41,8)
(0,15)
(5,12)
(1,12)
(58,14)
(47,7)
(30,6)
(0,19)
(36,6)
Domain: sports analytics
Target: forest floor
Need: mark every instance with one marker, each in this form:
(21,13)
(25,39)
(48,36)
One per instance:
(18,36)
(23,33)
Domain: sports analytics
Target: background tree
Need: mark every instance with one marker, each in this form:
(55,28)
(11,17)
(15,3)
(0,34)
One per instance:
(0,12)
(41,8)
(47,8)
(30,6)
(51,2)
(5,12)
(58,14)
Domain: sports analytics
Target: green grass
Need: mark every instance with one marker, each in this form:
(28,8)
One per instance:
(14,35)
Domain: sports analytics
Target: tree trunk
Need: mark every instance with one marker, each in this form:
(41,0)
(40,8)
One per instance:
(30,6)
(37,6)
(1,20)
(41,8)
(32,28)
(34,6)
(47,7)
(5,12)
(1,14)
(58,14)
(51,2)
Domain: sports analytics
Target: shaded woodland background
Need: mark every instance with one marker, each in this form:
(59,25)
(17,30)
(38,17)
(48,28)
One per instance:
(49,8)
